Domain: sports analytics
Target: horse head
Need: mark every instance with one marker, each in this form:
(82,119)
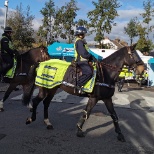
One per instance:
(44,53)
(134,60)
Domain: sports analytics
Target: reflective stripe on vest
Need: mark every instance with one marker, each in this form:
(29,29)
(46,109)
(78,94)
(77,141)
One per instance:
(10,44)
(76,53)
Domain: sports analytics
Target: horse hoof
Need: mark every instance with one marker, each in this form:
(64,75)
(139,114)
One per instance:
(121,138)
(80,134)
(1,109)
(50,127)
(28,121)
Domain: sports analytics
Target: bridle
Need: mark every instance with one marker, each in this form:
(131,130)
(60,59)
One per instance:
(44,55)
(133,56)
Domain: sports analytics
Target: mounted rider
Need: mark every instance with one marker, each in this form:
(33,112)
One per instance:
(82,57)
(7,50)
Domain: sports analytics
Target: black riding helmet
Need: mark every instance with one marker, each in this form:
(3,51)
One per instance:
(8,29)
(80,31)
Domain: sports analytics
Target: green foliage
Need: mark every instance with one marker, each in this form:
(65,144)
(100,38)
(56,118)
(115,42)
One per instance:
(102,17)
(144,44)
(149,11)
(21,23)
(46,30)
(131,29)
(65,20)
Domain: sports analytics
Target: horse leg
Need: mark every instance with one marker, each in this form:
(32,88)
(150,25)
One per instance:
(86,113)
(11,87)
(36,100)
(110,108)
(120,84)
(46,103)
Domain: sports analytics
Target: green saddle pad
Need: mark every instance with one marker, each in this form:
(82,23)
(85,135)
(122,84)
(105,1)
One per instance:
(51,73)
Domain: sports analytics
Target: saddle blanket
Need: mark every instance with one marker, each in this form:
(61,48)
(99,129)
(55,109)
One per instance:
(10,73)
(51,73)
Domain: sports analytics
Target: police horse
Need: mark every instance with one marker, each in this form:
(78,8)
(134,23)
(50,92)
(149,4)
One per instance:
(24,62)
(108,71)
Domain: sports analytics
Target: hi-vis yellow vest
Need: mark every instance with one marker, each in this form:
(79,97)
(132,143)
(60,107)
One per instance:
(10,44)
(76,53)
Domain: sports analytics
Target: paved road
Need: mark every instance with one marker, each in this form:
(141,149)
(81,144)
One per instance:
(136,118)
(129,98)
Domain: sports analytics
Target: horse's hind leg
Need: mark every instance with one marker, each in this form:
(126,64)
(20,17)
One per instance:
(11,87)
(110,108)
(41,95)
(46,103)
(86,113)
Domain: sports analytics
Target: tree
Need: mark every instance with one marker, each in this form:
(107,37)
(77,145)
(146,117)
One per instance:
(65,19)
(102,18)
(81,22)
(131,29)
(148,14)
(21,23)
(144,43)
(46,30)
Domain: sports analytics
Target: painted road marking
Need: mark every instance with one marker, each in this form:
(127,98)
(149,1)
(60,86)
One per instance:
(119,99)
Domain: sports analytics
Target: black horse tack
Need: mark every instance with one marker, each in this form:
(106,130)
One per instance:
(103,90)
(24,62)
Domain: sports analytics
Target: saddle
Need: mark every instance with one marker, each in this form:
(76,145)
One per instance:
(74,72)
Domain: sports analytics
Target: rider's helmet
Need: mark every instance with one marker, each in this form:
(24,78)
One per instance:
(80,31)
(8,29)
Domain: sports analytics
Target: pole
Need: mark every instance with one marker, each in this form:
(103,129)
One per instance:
(6,10)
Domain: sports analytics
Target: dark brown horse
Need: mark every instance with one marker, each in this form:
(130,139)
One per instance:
(24,62)
(109,69)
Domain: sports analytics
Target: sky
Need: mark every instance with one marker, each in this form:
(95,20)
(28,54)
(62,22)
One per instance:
(128,10)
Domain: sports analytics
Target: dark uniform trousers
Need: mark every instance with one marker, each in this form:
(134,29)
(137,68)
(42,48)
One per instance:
(8,62)
(86,73)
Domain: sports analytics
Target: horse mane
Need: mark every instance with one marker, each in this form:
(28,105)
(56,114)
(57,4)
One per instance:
(41,46)
(37,54)
(114,55)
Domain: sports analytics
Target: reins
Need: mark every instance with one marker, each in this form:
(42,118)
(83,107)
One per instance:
(114,68)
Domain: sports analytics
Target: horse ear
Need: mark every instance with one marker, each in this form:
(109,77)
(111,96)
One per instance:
(133,46)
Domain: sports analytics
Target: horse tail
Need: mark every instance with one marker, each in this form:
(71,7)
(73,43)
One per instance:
(32,72)
(29,87)
(27,92)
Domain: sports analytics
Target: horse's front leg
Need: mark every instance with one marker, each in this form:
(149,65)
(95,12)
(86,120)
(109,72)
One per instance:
(86,113)
(36,100)
(110,108)
(11,87)
(46,103)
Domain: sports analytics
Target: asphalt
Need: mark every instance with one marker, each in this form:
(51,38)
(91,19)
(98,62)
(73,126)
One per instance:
(3,86)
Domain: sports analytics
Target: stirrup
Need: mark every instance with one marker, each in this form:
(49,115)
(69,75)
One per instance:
(79,89)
